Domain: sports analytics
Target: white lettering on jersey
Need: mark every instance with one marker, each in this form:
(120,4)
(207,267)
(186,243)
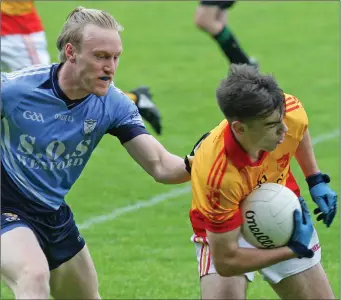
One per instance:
(29,115)
(56,154)
(65,118)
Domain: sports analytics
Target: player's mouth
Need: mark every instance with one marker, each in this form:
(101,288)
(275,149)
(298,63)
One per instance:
(105,78)
(282,139)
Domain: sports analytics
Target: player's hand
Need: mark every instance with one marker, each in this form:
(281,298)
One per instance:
(303,231)
(323,196)
(188,162)
(190,157)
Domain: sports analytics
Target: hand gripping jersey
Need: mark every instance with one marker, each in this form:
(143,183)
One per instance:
(223,175)
(46,139)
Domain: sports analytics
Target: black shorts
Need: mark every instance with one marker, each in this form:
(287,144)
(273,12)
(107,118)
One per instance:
(55,230)
(221,4)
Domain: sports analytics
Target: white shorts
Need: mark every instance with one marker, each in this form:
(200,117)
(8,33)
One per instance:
(23,50)
(273,274)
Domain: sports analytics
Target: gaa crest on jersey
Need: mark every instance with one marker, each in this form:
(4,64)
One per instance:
(283,162)
(89,126)
(11,217)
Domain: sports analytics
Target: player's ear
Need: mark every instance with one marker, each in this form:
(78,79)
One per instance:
(238,127)
(70,52)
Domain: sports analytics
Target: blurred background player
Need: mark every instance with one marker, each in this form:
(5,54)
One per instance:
(24,44)
(23,40)
(211,17)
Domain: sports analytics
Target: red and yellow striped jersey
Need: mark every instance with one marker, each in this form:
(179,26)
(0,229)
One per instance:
(19,17)
(223,174)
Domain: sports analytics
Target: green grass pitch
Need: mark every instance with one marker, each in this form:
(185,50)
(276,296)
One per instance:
(146,253)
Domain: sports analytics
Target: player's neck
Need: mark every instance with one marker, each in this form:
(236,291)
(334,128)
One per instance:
(68,84)
(253,152)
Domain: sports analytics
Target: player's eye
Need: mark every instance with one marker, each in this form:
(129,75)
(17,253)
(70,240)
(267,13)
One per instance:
(274,125)
(101,56)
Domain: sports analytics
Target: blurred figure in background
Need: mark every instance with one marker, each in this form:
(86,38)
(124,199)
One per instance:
(23,40)
(211,17)
(24,44)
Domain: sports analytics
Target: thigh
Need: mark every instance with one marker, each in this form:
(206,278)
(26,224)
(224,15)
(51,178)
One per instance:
(38,39)
(205,260)
(20,253)
(213,286)
(76,278)
(21,51)
(275,273)
(14,53)
(309,284)
(208,12)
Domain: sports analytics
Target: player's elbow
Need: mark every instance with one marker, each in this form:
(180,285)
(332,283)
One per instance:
(159,175)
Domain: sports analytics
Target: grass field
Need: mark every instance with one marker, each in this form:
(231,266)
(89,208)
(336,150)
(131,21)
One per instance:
(146,252)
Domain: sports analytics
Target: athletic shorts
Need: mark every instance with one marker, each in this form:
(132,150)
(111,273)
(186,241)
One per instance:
(273,274)
(221,4)
(23,50)
(55,230)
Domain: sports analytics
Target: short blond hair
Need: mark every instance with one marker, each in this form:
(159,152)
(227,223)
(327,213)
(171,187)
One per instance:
(72,31)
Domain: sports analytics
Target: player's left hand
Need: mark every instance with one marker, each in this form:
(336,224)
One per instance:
(323,196)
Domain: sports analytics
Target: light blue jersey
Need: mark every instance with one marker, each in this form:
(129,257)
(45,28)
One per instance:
(46,139)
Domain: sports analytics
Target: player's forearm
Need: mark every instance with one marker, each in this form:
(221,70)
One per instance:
(305,156)
(171,170)
(247,260)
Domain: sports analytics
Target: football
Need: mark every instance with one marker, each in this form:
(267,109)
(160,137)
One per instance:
(268,215)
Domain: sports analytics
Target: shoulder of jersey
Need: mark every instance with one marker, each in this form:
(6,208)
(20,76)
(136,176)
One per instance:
(212,150)
(295,117)
(114,94)
(31,75)
(292,103)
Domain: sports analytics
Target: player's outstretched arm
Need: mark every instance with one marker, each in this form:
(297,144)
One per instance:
(231,260)
(156,160)
(321,193)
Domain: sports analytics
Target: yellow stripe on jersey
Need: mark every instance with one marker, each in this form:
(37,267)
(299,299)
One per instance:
(16,8)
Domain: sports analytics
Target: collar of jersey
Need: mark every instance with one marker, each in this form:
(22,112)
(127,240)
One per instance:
(59,92)
(239,157)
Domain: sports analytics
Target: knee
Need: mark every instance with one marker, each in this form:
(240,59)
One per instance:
(201,21)
(207,21)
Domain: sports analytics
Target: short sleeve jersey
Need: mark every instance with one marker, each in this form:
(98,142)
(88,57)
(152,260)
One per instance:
(223,174)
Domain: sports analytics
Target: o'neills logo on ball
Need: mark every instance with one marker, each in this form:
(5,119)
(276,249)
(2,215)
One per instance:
(263,239)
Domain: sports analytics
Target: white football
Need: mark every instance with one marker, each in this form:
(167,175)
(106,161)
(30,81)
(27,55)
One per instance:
(268,215)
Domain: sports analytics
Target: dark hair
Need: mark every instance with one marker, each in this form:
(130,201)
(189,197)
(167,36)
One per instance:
(246,95)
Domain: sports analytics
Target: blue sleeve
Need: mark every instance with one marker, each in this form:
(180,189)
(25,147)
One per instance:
(10,94)
(126,122)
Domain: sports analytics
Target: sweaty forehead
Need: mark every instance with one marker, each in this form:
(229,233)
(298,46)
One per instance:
(101,39)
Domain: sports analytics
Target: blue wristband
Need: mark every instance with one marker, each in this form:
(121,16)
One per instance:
(316,179)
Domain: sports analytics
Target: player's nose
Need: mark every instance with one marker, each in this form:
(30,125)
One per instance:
(110,67)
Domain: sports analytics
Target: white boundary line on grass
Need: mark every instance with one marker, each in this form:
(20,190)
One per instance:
(173,193)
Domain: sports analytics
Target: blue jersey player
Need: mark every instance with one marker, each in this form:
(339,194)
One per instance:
(52,119)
